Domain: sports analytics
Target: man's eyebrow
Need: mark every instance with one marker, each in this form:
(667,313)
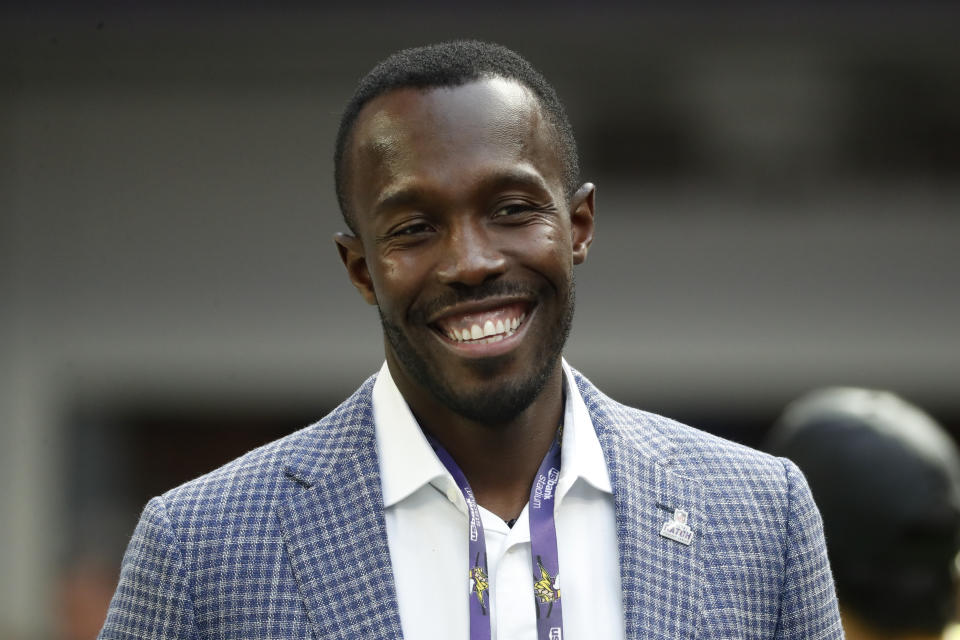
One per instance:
(400,197)
(515,177)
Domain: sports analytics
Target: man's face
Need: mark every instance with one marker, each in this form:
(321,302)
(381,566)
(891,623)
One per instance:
(466,242)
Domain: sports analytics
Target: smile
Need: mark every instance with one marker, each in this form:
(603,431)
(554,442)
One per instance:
(490,332)
(482,326)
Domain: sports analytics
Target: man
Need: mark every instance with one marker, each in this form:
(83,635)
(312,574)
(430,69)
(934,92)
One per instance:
(449,494)
(887,479)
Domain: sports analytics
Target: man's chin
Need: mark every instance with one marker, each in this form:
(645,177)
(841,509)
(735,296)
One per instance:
(493,371)
(492,404)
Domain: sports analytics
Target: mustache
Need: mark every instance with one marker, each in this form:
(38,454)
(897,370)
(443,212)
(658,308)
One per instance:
(492,289)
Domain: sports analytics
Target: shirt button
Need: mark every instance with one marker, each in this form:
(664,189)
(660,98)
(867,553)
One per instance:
(452,495)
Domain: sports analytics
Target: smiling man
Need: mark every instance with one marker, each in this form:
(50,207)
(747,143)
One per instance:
(477,486)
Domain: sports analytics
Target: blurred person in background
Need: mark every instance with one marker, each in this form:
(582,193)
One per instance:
(424,506)
(886,477)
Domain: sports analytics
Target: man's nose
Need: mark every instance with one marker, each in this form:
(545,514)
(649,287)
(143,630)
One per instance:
(469,256)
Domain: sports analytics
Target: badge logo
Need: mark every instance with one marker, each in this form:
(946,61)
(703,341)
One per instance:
(546,589)
(677,528)
(479,583)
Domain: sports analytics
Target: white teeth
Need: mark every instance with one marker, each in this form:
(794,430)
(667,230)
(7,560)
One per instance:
(490,332)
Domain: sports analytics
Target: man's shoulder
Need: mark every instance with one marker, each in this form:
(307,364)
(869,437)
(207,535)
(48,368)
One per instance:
(263,475)
(685,450)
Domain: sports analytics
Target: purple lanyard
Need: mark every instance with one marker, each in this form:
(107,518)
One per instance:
(543,548)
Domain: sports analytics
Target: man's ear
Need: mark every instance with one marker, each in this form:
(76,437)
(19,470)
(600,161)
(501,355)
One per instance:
(351,252)
(581,221)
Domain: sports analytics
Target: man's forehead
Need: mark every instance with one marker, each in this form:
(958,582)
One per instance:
(484,101)
(448,141)
(486,111)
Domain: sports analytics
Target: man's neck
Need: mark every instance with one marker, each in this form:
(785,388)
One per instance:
(501,460)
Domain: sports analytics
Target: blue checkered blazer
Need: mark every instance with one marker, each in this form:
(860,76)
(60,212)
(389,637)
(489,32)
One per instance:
(289,541)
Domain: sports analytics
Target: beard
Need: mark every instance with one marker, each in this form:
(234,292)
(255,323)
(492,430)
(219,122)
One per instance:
(503,400)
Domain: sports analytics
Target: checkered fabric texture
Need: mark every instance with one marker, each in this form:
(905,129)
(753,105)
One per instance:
(289,541)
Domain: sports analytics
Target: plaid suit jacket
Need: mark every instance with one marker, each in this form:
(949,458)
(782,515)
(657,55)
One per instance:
(289,541)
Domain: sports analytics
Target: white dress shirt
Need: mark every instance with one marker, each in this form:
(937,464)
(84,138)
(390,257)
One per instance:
(426,519)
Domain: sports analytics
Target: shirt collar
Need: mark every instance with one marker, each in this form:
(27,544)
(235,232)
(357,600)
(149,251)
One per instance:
(407,462)
(581,455)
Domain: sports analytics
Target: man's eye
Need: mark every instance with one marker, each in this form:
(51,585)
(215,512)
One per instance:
(412,229)
(511,210)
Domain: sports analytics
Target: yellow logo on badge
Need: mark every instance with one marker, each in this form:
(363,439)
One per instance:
(479,584)
(547,588)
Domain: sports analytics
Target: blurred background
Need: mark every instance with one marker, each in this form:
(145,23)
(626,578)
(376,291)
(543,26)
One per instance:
(778,204)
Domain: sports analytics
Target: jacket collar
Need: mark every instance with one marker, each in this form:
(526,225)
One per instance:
(334,528)
(660,577)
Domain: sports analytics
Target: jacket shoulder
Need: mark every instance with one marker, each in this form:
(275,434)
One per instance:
(718,464)
(261,476)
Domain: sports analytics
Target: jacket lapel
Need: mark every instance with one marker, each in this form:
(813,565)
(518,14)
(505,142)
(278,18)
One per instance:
(334,528)
(661,578)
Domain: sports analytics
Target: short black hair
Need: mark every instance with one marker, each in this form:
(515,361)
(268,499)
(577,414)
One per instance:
(451,64)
